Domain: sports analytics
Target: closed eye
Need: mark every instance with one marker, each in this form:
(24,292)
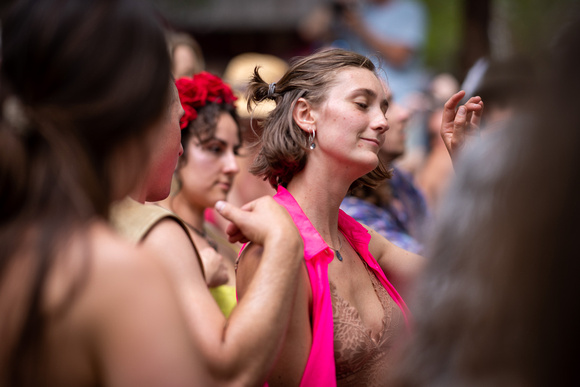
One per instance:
(216,149)
(214,146)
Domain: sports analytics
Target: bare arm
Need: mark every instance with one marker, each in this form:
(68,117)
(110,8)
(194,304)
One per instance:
(400,266)
(292,356)
(240,350)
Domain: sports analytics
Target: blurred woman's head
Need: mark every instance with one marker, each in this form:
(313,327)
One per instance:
(78,73)
(285,145)
(83,86)
(186,55)
(211,139)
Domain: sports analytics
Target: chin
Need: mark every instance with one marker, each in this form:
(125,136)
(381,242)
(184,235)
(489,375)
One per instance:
(217,197)
(158,196)
(369,166)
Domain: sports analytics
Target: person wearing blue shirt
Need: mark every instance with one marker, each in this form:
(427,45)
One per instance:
(392,33)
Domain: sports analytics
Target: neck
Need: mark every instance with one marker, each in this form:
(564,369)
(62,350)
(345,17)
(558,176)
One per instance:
(190,214)
(139,195)
(311,196)
(387,159)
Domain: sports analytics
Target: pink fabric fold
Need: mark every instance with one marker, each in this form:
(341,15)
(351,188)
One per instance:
(320,368)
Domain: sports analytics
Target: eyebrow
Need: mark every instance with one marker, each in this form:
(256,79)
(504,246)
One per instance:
(213,138)
(222,142)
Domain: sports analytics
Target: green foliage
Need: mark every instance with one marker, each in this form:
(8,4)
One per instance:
(444,36)
(532,23)
(527,26)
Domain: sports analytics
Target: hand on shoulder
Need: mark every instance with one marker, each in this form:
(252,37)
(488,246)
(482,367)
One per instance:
(260,221)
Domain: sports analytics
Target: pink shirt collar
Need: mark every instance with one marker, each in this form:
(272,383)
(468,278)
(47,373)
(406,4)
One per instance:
(320,368)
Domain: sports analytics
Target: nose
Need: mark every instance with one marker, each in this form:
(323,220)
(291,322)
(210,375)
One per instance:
(180,150)
(380,122)
(230,164)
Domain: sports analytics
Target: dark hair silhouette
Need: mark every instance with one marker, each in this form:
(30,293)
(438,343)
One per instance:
(79,81)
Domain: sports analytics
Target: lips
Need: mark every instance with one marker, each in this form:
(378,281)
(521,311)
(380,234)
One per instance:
(224,185)
(373,140)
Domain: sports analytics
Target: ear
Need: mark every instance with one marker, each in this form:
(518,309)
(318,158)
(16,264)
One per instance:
(303,115)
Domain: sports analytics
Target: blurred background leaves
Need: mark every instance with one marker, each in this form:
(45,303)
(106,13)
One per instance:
(460,31)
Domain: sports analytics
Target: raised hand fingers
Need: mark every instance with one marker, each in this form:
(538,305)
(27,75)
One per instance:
(459,121)
(450,105)
(474,107)
(477,114)
(456,124)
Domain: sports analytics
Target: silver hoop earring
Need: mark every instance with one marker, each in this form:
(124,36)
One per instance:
(311,139)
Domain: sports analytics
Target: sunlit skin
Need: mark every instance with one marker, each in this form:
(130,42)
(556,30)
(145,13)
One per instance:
(350,130)
(351,125)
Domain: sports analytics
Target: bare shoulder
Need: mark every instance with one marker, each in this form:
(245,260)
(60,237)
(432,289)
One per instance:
(116,275)
(401,266)
(124,316)
(121,267)
(379,246)
(174,249)
(168,234)
(137,321)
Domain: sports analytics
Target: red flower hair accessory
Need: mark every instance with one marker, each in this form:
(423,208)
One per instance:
(197,91)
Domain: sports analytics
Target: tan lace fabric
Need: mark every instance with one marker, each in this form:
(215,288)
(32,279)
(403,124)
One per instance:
(362,360)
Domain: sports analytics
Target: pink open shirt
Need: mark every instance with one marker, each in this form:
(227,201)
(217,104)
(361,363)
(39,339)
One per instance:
(320,369)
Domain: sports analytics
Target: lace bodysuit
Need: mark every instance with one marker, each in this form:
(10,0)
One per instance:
(362,360)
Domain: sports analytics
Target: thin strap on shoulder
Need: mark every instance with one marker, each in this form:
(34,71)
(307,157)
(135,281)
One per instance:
(163,214)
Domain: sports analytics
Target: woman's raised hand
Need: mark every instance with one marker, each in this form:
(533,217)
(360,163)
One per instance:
(458,124)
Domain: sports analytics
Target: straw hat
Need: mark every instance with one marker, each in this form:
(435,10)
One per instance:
(238,72)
